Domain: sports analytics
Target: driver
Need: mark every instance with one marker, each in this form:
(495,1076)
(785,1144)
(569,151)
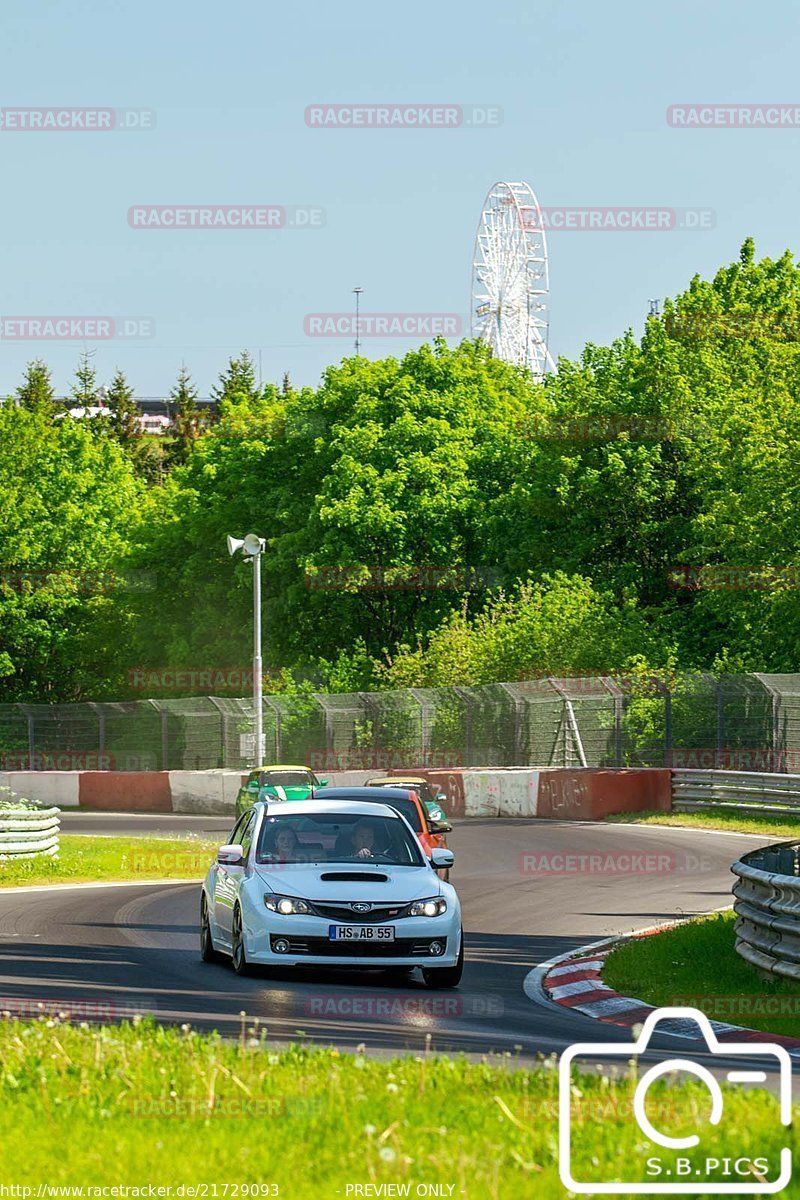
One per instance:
(364,841)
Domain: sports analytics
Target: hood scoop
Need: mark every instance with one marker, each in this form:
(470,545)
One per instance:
(353,877)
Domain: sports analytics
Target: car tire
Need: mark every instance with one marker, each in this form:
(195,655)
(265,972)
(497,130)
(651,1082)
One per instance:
(238,958)
(207,951)
(446,977)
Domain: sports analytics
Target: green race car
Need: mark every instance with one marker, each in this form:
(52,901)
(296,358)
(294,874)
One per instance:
(277,783)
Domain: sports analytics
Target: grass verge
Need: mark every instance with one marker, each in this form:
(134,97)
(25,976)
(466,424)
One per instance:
(138,1105)
(771,826)
(86,859)
(695,964)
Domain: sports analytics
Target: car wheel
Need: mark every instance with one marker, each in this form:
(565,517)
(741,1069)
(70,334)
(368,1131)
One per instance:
(445,977)
(207,951)
(238,958)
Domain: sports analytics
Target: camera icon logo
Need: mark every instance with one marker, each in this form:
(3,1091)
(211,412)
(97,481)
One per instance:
(676,1170)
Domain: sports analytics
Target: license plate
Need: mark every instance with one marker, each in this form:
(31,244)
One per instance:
(361,933)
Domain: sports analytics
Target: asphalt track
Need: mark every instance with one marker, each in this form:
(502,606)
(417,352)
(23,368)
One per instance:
(105,952)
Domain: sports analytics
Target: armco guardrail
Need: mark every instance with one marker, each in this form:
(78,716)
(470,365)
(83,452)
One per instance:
(28,832)
(767,908)
(703,791)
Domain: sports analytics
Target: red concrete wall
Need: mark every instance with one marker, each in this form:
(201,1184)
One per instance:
(126,791)
(589,794)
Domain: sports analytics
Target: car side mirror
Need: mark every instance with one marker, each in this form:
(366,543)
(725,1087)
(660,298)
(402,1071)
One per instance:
(323,783)
(231,855)
(253,785)
(440,827)
(441,797)
(442,859)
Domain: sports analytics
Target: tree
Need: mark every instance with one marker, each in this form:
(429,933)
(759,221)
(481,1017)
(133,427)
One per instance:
(36,390)
(85,391)
(187,420)
(237,384)
(123,411)
(68,503)
(374,494)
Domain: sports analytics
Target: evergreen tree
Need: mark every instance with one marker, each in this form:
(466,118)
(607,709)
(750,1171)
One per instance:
(123,411)
(187,421)
(238,383)
(85,390)
(36,390)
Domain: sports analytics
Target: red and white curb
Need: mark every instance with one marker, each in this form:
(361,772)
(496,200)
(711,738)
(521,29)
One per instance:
(575,981)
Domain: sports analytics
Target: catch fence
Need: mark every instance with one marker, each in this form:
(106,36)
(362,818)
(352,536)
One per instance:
(732,722)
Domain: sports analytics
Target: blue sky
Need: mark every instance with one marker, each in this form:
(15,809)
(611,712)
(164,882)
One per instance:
(583,89)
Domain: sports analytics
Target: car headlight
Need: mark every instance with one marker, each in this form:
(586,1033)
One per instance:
(434,907)
(285,905)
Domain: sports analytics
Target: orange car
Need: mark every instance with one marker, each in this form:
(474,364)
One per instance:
(407,802)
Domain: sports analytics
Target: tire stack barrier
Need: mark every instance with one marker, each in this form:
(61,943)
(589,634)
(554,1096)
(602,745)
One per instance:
(767,906)
(28,832)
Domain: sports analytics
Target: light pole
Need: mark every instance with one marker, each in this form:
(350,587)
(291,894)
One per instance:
(252,547)
(357,292)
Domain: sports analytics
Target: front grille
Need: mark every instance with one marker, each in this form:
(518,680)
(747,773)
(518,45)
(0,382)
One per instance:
(345,915)
(322,948)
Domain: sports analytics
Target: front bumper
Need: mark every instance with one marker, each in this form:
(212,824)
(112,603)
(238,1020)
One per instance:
(309,944)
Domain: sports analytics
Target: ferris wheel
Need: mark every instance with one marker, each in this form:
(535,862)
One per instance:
(510,285)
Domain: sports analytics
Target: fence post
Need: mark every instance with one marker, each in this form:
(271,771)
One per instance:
(667,694)
(616,692)
(270,703)
(778,756)
(31,737)
(424,724)
(720,722)
(468,734)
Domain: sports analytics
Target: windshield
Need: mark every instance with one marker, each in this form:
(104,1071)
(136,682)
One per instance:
(286,779)
(337,838)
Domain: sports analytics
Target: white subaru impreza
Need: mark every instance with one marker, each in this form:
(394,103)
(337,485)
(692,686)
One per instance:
(331,883)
